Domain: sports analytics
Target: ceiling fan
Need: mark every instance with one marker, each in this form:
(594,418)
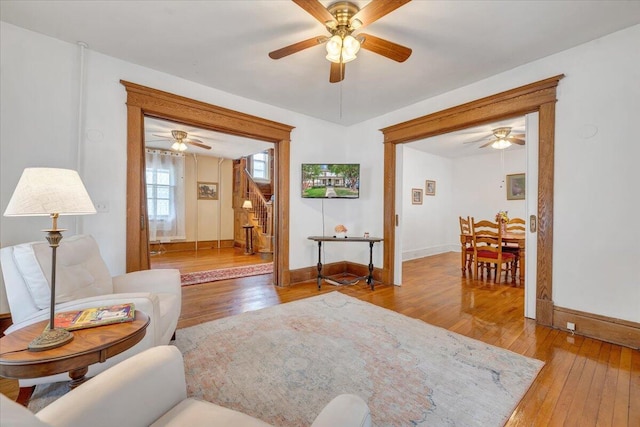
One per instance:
(341,19)
(180,141)
(502,138)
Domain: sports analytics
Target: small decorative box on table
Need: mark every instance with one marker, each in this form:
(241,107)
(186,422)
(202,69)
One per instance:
(370,240)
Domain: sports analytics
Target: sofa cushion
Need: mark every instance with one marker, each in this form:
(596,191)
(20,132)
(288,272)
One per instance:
(16,415)
(31,272)
(80,270)
(193,413)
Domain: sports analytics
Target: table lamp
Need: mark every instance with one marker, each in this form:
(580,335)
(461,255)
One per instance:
(50,192)
(247,206)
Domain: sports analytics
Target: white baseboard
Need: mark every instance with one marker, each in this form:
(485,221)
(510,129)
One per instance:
(424,252)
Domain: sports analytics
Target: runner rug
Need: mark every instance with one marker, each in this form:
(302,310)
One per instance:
(225,273)
(283,364)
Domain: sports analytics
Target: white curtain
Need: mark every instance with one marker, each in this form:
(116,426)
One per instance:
(165,195)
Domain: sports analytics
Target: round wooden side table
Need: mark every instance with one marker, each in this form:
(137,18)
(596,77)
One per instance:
(89,346)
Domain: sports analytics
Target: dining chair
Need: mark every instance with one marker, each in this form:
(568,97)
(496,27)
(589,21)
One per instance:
(466,259)
(515,225)
(488,250)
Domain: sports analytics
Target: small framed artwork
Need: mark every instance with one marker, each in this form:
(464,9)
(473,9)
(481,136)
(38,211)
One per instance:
(430,188)
(416,196)
(207,190)
(515,186)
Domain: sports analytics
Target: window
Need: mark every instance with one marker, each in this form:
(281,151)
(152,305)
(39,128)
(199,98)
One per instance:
(260,166)
(158,193)
(165,195)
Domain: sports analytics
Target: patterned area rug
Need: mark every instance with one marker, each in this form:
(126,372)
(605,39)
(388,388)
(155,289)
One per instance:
(226,273)
(283,364)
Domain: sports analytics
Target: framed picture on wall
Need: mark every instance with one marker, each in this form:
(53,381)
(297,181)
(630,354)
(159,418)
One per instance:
(430,188)
(207,190)
(416,196)
(515,186)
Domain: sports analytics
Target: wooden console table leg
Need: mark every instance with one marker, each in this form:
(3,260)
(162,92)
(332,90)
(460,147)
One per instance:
(370,277)
(77,377)
(24,395)
(319,264)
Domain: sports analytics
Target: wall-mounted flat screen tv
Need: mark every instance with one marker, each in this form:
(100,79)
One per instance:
(330,180)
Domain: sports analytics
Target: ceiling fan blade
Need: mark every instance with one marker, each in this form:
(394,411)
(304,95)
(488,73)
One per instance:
(316,9)
(476,140)
(375,10)
(337,72)
(518,141)
(385,48)
(297,47)
(487,144)
(161,136)
(197,143)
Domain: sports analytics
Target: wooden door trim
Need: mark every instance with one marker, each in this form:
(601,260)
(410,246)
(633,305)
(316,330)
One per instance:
(144,101)
(535,97)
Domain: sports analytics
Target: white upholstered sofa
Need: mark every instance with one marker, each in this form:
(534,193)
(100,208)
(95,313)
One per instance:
(83,281)
(149,389)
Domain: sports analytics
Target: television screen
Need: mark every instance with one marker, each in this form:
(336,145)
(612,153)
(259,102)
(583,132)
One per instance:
(330,180)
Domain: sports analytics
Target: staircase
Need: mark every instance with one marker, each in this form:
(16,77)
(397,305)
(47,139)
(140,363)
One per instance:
(261,215)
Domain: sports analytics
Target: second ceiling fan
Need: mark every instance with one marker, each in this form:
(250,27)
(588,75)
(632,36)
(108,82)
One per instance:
(341,19)
(180,141)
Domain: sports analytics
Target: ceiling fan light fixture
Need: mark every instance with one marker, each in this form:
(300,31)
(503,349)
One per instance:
(342,49)
(179,146)
(355,24)
(334,46)
(350,46)
(501,144)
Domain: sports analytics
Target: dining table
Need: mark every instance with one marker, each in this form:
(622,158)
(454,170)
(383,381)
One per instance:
(509,238)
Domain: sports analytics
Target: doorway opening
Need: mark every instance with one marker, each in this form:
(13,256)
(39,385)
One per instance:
(194,205)
(536,97)
(143,101)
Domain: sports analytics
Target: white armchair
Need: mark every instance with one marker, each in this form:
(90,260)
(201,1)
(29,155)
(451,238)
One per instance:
(83,281)
(149,389)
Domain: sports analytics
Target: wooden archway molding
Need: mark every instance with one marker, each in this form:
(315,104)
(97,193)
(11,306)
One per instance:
(143,101)
(540,97)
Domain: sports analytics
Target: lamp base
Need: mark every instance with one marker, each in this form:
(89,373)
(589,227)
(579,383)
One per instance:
(51,338)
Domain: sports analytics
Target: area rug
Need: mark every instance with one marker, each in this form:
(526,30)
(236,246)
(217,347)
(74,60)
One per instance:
(225,273)
(283,364)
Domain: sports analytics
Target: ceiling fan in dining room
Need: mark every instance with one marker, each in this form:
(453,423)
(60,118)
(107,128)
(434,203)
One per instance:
(501,138)
(342,19)
(180,140)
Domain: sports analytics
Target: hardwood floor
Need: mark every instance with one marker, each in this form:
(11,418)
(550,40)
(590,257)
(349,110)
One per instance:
(585,382)
(204,259)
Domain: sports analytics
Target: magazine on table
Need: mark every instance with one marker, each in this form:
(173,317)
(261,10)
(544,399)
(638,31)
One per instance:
(96,316)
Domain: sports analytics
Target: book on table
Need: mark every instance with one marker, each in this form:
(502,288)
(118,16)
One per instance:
(95,316)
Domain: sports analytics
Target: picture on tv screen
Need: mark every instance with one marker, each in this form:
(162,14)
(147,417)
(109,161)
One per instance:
(330,180)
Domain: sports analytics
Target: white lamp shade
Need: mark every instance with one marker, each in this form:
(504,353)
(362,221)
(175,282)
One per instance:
(47,191)
(247,204)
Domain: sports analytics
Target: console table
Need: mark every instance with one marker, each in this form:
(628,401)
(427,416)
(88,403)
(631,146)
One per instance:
(370,240)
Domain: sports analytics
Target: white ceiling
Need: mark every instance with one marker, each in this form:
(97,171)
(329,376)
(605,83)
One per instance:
(222,145)
(224,44)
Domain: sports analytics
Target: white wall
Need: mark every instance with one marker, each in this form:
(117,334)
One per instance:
(595,178)
(480,185)
(473,186)
(426,227)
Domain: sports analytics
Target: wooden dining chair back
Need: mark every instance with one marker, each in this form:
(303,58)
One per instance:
(488,250)
(516,225)
(466,242)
